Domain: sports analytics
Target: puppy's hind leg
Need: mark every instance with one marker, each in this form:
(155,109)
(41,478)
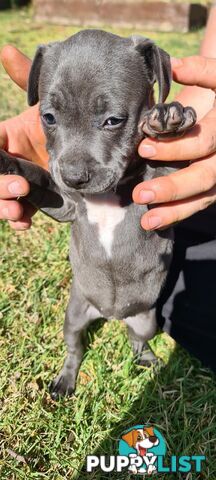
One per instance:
(141,328)
(78,316)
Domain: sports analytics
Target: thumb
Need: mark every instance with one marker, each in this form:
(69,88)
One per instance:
(16,64)
(195,70)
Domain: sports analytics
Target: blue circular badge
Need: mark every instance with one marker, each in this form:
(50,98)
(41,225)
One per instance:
(143,444)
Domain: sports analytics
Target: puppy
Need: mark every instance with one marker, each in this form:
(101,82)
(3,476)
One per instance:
(96,104)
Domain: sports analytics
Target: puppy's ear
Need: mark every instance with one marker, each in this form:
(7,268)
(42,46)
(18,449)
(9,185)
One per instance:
(149,431)
(130,438)
(33,82)
(157,63)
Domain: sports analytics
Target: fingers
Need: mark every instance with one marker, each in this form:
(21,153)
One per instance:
(25,221)
(25,224)
(10,210)
(181,194)
(198,178)
(192,189)
(16,64)
(12,186)
(18,215)
(195,70)
(168,214)
(199,142)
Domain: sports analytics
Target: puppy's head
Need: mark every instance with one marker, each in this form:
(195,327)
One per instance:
(141,439)
(93,89)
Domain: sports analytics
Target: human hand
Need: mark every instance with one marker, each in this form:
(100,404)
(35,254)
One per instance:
(21,136)
(191,189)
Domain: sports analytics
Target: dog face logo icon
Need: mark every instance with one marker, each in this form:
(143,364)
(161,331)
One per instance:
(141,440)
(142,444)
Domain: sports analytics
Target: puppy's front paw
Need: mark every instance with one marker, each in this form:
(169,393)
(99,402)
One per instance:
(168,120)
(61,386)
(8,165)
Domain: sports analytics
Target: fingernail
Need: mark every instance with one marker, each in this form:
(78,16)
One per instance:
(15,188)
(176,62)
(154,222)
(147,150)
(5,212)
(146,196)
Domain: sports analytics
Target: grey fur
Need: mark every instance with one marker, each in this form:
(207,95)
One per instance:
(83,81)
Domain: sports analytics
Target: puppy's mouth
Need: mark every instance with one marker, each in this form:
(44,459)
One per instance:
(104,183)
(100,189)
(142,451)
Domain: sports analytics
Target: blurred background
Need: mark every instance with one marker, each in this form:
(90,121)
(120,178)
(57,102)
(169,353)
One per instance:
(170,15)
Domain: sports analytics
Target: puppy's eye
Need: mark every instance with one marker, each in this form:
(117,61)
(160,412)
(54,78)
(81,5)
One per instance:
(49,119)
(113,122)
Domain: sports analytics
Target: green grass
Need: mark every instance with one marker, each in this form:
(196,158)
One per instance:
(53,439)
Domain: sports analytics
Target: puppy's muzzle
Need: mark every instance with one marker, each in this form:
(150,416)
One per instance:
(74,177)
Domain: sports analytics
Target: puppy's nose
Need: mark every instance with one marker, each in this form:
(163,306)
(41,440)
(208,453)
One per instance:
(74,177)
(152,439)
(77,180)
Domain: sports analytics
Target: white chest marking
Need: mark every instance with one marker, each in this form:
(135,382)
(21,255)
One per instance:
(105,211)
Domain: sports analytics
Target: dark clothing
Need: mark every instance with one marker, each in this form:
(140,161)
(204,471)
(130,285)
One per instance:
(187,308)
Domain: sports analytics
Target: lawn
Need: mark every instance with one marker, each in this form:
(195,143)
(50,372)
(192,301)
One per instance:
(51,440)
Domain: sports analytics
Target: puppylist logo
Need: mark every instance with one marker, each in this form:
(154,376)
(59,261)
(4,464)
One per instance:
(142,451)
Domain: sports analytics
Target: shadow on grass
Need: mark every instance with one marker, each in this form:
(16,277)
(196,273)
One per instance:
(177,418)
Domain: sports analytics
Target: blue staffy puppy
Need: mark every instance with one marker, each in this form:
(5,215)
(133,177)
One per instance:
(96,104)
